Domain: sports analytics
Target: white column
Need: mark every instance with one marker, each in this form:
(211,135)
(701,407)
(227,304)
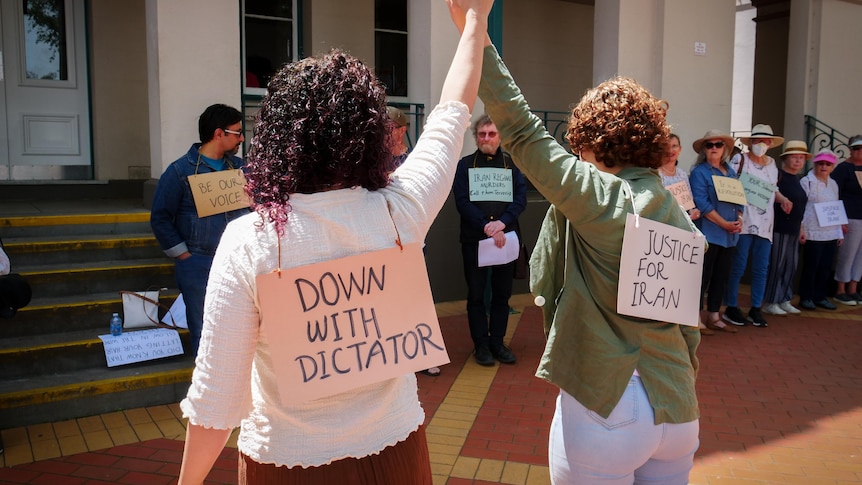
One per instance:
(193,61)
(679,50)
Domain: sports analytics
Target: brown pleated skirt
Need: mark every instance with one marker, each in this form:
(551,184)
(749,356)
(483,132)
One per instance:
(405,463)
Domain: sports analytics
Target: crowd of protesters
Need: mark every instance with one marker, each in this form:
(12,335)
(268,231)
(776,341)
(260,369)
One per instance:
(791,215)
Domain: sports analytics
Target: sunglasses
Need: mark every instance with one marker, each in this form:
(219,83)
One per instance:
(709,144)
(857,147)
(822,163)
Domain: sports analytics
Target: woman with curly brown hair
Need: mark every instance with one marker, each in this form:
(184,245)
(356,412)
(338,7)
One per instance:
(627,410)
(319,184)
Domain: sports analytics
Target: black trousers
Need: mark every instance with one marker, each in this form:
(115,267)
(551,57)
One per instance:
(716,271)
(817,260)
(486,329)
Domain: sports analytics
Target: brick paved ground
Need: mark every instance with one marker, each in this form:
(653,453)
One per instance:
(779,405)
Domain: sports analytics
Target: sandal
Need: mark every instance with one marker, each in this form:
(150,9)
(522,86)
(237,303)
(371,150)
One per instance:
(432,372)
(726,328)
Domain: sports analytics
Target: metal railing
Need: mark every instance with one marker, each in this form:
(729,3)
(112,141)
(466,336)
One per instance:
(819,135)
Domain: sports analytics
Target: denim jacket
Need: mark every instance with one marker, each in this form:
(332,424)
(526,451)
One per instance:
(175,220)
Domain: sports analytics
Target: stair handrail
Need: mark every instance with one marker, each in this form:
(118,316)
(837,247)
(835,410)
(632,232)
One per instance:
(820,135)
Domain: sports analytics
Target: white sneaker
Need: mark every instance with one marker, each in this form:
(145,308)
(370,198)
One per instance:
(787,307)
(774,309)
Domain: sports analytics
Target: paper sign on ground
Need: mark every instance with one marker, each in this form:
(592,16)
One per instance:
(349,322)
(830,213)
(490,184)
(758,192)
(218,192)
(660,272)
(141,345)
(682,194)
(729,189)
(491,255)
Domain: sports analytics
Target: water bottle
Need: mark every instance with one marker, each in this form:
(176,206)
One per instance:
(116,324)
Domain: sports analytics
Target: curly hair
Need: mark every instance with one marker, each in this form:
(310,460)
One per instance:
(322,125)
(621,123)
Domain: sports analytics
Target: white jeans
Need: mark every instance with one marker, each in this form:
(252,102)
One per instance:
(627,448)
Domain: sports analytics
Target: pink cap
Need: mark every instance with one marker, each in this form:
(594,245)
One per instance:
(825,155)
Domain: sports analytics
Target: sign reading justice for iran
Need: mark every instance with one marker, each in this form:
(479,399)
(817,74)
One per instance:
(660,272)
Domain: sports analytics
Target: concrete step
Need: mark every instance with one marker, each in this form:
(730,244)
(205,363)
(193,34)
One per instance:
(98,390)
(41,225)
(55,280)
(56,249)
(54,354)
(58,315)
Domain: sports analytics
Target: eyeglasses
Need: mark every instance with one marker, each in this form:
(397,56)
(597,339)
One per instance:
(487,134)
(237,133)
(709,145)
(822,163)
(857,147)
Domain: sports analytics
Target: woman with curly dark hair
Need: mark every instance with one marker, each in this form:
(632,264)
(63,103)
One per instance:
(627,410)
(317,177)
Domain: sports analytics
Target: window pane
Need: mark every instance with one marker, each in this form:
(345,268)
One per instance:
(390,15)
(270,8)
(390,57)
(45,39)
(267,47)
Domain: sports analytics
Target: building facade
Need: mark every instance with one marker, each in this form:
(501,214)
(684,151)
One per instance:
(102,90)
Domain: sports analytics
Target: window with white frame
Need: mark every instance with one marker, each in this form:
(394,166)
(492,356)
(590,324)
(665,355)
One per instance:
(270,40)
(390,45)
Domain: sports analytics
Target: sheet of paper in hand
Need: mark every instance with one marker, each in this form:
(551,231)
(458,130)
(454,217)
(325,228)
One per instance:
(350,322)
(660,272)
(218,192)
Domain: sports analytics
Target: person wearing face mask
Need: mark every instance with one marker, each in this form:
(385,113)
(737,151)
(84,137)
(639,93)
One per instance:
(755,240)
(788,233)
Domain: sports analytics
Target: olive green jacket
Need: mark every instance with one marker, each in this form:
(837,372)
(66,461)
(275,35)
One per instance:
(591,350)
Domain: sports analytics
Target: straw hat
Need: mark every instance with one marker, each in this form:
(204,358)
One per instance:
(796,147)
(396,115)
(762,131)
(712,135)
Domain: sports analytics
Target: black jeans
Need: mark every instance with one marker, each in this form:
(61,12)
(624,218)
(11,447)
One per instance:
(817,260)
(486,331)
(716,271)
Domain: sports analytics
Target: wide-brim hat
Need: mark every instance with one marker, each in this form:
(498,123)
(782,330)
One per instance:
(396,115)
(825,155)
(796,147)
(712,135)
(762,131)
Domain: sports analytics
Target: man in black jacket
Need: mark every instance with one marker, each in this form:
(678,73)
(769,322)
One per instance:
(490,194)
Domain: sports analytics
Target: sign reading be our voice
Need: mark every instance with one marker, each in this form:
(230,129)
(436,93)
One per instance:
(219,192)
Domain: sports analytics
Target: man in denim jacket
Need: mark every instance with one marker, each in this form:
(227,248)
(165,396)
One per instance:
(189,239)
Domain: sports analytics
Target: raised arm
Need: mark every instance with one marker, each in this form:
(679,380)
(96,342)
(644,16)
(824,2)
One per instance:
(462,81)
